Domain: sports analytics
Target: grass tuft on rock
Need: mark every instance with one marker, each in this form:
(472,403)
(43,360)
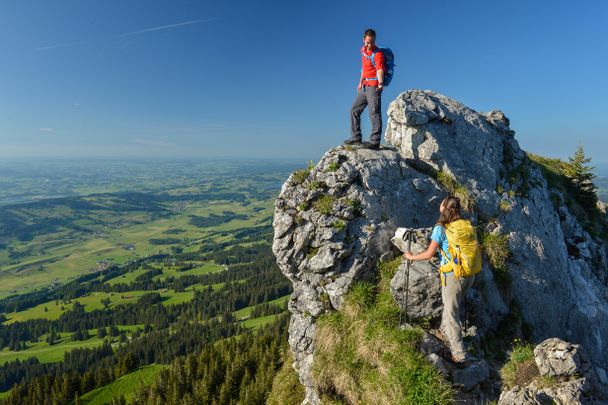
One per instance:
(504,206)
(362,356)
(496,248)
(453,187)
(324,204)
(338,225)
(312,252)
(356,204)
(299,176)
(332,167)
(314,185)
(521,369)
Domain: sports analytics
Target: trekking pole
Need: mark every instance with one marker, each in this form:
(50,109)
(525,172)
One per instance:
(464,305)
(408,238)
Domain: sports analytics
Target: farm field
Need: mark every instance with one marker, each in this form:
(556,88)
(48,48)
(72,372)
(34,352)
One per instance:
(54,259)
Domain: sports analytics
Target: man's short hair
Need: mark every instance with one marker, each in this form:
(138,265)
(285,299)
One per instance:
(369,33)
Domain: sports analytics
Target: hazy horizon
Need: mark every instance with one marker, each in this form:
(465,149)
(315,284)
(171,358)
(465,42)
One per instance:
(599,168)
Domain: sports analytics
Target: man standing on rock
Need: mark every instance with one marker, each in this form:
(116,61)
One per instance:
(369,92)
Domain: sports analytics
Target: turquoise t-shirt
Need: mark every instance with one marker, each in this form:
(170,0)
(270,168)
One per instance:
(438,235)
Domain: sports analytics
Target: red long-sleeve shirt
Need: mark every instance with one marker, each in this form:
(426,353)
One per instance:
(368,69)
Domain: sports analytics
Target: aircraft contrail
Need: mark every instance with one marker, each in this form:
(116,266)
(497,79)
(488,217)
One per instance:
(164,27)
(158,28)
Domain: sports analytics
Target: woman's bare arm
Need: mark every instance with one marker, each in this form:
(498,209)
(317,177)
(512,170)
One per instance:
(426,255)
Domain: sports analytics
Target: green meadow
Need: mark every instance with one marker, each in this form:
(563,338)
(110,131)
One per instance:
(53,309)
(169,271)
(256,323)
(46,353)
(244,313)
(125,386)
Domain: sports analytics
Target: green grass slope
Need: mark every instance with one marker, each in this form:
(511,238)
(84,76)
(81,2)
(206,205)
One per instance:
(125,386)
(362,356)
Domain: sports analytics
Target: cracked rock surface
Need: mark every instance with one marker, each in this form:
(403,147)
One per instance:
(334,222)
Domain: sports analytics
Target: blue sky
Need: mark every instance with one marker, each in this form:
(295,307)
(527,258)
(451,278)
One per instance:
(277,78)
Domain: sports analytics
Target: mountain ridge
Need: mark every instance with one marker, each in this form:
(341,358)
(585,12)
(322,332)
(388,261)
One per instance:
(333,224)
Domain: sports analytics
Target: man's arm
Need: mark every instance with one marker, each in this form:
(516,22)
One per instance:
(380,75)
(380,71)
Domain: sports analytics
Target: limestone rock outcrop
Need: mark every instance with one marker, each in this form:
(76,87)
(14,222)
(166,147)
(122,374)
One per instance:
(558,270)
(334,221)
(572,378)
(331,226)
(422,300)
(555,358)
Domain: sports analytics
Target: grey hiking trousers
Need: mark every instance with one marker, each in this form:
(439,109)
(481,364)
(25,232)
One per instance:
(372,99)
(452,295)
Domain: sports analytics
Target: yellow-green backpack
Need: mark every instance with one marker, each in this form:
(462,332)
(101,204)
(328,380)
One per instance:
(463,248)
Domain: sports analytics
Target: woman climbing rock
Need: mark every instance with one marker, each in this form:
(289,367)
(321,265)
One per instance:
(456,241)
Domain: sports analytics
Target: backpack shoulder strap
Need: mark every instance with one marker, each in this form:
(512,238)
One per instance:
(443,253)
(370,57)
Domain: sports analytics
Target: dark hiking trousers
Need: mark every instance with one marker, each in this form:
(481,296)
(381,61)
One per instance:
(372,99)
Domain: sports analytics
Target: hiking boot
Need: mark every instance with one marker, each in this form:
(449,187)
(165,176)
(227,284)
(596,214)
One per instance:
(352,141)
(459,361)
(464,361)
(372,146)
(439,334)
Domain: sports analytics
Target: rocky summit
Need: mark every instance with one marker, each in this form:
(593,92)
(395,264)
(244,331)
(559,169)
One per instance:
(334,221)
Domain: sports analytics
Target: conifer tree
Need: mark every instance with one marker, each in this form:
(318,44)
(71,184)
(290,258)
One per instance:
(581,175)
